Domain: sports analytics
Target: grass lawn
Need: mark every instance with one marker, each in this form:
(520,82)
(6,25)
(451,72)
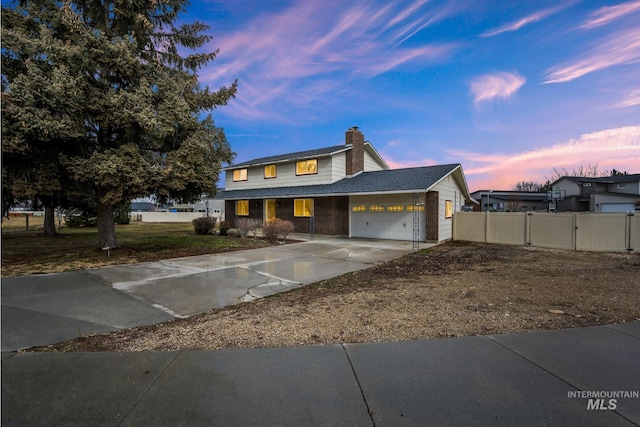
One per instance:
(31,252)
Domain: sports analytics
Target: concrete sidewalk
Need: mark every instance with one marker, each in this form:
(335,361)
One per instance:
(505,380)
(44,309)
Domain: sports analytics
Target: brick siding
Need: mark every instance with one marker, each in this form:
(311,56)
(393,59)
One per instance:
(432,214)
(331,214)
(355,156)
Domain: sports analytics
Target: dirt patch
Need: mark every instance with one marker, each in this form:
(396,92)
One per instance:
(455,289)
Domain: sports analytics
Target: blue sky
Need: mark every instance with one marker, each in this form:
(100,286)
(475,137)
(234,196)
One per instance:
(509,89)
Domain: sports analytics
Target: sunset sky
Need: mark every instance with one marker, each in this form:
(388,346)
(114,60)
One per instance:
(509,89)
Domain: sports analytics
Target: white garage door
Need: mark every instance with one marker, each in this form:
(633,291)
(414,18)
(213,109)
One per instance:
(392,222)
(617,207)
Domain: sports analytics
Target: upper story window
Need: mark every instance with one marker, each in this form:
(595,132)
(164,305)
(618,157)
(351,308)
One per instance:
(240,175)
(307,167)
(622,185)
(270,171)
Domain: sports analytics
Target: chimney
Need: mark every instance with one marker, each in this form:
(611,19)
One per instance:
(355,156)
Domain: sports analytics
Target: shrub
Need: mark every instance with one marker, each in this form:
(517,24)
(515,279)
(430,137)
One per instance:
(77,218)
(270,230)
(242,226)
(276,227)
(254,226)
(246,225)
(204,225)
(285,228)
(224,227)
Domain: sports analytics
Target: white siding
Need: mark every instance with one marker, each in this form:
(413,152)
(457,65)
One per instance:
(571,188)
(627,188)
(371,163)
(339,166)
(285,176)
(448,189)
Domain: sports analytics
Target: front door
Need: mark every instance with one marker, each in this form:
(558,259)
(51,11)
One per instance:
(269,209)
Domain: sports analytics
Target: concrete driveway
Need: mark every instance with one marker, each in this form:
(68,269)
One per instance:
(44,309)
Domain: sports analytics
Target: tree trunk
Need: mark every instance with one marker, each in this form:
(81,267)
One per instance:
(106,226)
(49,221)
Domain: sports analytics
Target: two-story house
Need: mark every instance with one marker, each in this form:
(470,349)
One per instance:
(617,193)
(347,190)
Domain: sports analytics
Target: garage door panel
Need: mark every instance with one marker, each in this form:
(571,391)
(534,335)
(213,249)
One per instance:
(617,207)
(385,224)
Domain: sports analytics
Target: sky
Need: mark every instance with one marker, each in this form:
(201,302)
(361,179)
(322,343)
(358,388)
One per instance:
(508,89)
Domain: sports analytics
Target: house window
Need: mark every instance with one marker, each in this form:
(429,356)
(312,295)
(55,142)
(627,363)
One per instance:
(412,208)
(448,208)
(303,207)
(622,185)
(375,208)
(307,167)
(239,175)
(395,208)
(270,171)
(242,208)
(359,208)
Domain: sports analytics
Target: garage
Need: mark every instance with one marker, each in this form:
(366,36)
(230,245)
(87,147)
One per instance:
(617,207)
(387,221)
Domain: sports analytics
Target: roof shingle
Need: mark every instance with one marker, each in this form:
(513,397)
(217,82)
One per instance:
(384,181)
(326,151)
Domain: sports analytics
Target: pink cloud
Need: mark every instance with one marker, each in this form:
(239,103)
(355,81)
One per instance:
(498,85)
(410,163)
(607,14)
(612,148)
(329,42)
(623,47)
(516,25)
(633,98)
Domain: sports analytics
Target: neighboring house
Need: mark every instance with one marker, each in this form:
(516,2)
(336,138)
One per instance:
(511,201)
(347,190)
(142,206)
(618,193)
(212,207)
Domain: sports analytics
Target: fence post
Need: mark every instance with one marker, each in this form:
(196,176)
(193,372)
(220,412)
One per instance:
(575,231)
(527,229)
(486,226)
(629,231)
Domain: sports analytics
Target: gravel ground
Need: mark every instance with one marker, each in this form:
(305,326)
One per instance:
(455,289)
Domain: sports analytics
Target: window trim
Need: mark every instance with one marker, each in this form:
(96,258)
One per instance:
(246,175)
(275,171)
(238,203)
(305,213)
(306,162)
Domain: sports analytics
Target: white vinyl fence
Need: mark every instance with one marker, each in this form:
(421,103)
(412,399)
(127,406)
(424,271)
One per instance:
(167,216)
(579,231)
